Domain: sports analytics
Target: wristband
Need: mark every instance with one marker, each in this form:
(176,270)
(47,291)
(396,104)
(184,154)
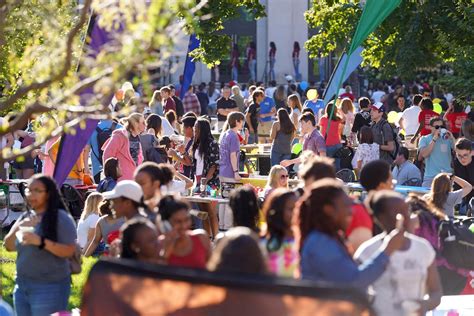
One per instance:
(41,246)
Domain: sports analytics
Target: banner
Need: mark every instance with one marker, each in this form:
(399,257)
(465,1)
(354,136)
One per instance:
(355,59)
(190,66)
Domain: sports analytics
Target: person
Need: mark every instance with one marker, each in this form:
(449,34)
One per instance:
(191,102)
(362,118)
(316,105)
(378,95)
(331,125)
(252,60)
(244,205)
(265,118)
(314,168)
(277,178)
(424,118)
(436,150)
(376,176)
(295,55)
(467,129)
(24,169)
(225,105)
(279,243)
(88,220)
(271,61)
(229,148)
(166,100)
(173,182)
(442,196)
(281,136)
(464,168)
(112,173)
(44,239)
(238,252)
(139,239)
(173,120)
(411,273)
(405,172)
(399,107)
(294,104)
(252,114)
(150,178)
(203,98)
(324,211)
(238,98)
(179,104)
(124,144)
(409,119)
(383,133)
(149,140)
(155,103)
(126,200)
(347,94)
(347,113)
(106,231)
(367,150)
(214,95)
(280,98)
(455,116)
(312,140)
(182,153)
(182,247)
(234,62)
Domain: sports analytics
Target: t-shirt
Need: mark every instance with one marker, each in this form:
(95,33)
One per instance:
(314,142)
(316,106)
(179,106)
(406,171)
(199,163)
(166,128)
(93,144)
(410,119)
(134,147)
(333,137)
(454,198)
(361,119)
(169,105)
(83,228)
(254,110)
(40,265)
(466,173)
(229,143)
(266,107)
(283,262)
(440,158)
(360,219)
(455,121)
(405,277)
(224,103)
(383,134)
(426,116)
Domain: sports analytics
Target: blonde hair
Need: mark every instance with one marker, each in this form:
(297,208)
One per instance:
(236,90)
(129,121)
(91,205)
(347,106)
(295,99)
(273,176)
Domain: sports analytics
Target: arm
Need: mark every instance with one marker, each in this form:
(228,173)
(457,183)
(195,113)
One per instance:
(401,123)
(9,241)
(56,248)
(425,152)
(86,153)
(235,164)
(249,122)
(418,131)
(433,289)
(189,182)
(89,250)
(274,130)
(389,147)
(465,186)
(288,162)
(358,236)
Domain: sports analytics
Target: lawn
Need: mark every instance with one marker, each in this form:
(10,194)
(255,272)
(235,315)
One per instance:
(7,266)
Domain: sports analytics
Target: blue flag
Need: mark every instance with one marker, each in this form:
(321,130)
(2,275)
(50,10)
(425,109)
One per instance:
(190,66)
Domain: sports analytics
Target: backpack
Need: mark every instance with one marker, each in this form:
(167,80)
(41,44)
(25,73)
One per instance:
(102,136)
(457,242)
(397,141)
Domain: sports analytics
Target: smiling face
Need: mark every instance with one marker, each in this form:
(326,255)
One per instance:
(282,179)
(149,186)
(181,221)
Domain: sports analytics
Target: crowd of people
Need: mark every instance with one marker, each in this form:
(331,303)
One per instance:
(145,164)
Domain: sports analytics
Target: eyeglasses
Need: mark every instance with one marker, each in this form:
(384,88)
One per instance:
(465,156)
(35,191)
(284,176)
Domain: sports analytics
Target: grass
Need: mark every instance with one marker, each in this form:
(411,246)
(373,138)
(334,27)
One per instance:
(8,269)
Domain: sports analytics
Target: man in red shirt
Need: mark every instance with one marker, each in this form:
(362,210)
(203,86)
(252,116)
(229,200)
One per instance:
(424,118)
(455,116)
(167,100)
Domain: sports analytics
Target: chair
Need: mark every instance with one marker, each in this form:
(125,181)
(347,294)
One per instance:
(73,200)
(346,175)
(413,182)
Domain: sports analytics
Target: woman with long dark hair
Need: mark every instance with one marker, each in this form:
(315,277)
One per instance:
(280,98)
(333,136)
(149,140)
(324,213)
(234,62)
(279,241)
(244,204)
(271,61)
(282,134)
(44,239)
(295,55)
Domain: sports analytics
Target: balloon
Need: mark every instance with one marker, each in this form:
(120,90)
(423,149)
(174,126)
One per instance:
(119,95)
(436,100)
(127,86)
(312,94)
(297,148)
(392,117)
(437,108)
(304,85)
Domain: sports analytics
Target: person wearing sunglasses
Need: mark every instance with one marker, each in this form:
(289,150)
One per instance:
(436,149)
(278,178)
(464,169)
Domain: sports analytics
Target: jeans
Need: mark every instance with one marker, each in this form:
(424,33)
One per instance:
(296,66)
(252,69)
(276,158)
(271,73)
(41,298)
(235,74)
(331,151)
(253,138)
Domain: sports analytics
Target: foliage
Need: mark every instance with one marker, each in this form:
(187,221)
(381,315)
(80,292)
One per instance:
(418,35)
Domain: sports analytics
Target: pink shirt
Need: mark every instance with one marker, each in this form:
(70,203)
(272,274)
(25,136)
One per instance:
(48,165)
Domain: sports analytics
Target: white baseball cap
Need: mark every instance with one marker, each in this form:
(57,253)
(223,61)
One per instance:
(127,189)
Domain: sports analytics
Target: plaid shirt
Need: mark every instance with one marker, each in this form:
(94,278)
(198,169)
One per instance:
(191,103)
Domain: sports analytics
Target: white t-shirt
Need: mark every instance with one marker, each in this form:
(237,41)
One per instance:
(410,119)
(270,91)
(174,187)
(83,228)
(405,276)
(377,96)
(199,163)
(166,127)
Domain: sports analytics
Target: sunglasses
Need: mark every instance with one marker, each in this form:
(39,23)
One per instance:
(438,126)
(284,176)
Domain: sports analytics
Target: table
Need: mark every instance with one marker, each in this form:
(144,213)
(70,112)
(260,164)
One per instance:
(459,304)
(206,199)
(403,189)
(261,147)
(261,181)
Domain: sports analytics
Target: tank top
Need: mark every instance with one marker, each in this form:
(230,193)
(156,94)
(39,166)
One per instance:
(195,259)
(282,143)
(107,228)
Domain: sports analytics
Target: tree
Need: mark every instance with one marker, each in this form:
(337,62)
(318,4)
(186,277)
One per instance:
(418,35)
(44,65)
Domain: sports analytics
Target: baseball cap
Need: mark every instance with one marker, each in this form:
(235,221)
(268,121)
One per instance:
(378,106)
(127,189)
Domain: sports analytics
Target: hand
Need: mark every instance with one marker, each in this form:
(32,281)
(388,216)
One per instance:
(246,132)
(29,221)
(252,130)
(180,148)
(412,140)
(396,237)
(31,239)
(172,153)
(237,176)
(115,248)
(285,163)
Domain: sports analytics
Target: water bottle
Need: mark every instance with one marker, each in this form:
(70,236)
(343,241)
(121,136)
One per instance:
(202,187)
(3,199)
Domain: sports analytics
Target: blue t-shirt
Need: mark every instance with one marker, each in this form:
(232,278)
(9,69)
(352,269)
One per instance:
(266,107)
(440,158)
(96,164)
(315,106)
(229,143)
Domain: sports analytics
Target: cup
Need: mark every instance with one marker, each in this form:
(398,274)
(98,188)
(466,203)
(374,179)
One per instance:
(202,187)
(22,230)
